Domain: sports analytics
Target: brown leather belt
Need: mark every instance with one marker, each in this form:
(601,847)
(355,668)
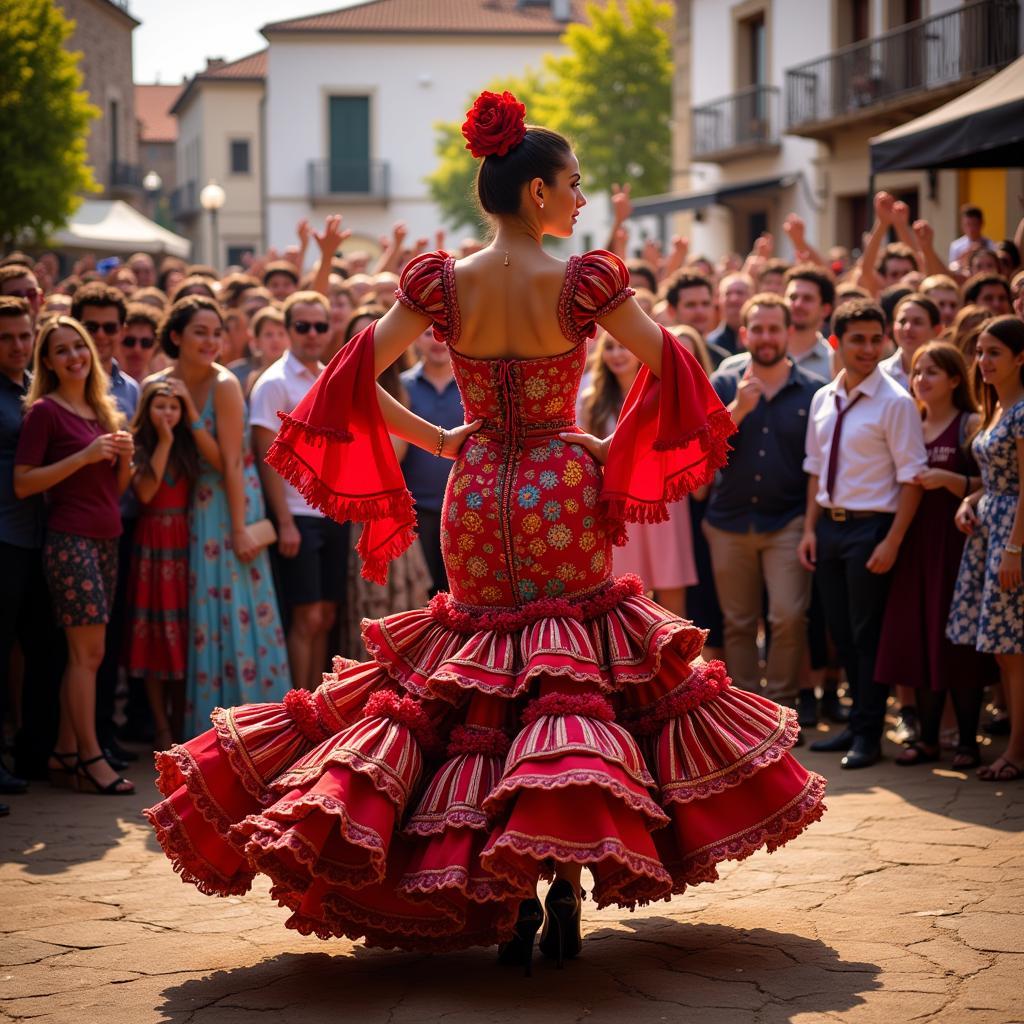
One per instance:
(840,515)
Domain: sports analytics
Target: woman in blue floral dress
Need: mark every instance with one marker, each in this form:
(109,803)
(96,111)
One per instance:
(237,654)
(988,603)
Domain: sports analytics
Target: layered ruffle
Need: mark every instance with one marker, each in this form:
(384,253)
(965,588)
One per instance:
(612,640)
(413,801)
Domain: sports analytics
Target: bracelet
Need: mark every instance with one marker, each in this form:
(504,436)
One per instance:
(1012,549)
(442,436)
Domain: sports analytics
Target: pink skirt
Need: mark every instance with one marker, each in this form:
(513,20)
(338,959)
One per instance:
(661,554)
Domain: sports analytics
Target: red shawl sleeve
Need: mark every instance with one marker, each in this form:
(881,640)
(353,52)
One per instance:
(671,439)
(335,448)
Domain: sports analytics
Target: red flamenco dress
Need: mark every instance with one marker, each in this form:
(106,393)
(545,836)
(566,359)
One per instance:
(542,710)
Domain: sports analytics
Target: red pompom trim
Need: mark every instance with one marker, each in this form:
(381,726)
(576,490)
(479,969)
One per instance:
(301,706)
(468,619)
(408,711)
(588,705)
(477,739)
(705,684)
(494,124)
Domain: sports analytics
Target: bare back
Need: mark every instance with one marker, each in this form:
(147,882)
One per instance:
(510,311)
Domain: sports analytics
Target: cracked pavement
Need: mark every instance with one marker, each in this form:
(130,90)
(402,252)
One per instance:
(906,903)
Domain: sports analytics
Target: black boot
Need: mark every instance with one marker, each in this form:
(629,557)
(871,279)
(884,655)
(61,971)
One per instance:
(562,938)
(519,949)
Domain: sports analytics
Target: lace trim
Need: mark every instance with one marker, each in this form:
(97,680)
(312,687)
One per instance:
(613,303)
(773,749)
(266,838)
(566,321)
(638,802)
(773,832)
(380,774)
(452,817)
(545,847)
(230,742)
(195,785)
(187,861)
(419,884)
(451,301)
(586,705)
(462,618)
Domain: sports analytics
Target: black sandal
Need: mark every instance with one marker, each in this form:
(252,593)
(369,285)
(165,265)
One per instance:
(87,781)
(916,753)
(966,758)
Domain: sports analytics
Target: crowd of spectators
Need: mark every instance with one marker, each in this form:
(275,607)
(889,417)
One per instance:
(158,568)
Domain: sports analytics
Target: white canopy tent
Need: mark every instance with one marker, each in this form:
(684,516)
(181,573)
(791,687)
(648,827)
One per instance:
(112,227)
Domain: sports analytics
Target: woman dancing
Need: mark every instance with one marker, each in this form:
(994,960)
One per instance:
(543,716)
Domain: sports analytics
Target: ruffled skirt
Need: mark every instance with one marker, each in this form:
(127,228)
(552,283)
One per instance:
(414,800)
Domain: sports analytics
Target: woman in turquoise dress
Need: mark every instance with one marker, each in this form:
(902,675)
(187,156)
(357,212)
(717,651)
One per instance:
(237,654)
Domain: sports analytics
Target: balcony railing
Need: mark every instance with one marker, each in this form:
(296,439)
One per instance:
(185,201)
(739,124)
(366,180)
(929,55)
(125,176)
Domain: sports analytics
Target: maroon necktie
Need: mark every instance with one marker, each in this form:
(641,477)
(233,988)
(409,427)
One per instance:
(833,452)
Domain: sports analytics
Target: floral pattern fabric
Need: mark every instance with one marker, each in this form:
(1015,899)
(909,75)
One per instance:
(81,573)
(982,613)
(237,654)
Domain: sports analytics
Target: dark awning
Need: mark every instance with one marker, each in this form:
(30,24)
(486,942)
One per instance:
(981,128)
(672,203)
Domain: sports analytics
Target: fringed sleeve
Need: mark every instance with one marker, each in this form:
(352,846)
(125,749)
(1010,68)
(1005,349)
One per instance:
(335,448)
(670,440)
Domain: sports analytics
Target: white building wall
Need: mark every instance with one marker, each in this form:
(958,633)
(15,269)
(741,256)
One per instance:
(413,84)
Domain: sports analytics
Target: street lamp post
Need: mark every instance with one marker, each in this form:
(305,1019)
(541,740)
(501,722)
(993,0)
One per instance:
(153,185)
(212,199)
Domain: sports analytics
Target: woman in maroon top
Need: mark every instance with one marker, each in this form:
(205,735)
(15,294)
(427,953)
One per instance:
(72,448)
(914,650)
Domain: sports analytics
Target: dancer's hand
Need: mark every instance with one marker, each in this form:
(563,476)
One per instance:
(456,437)
(598,447)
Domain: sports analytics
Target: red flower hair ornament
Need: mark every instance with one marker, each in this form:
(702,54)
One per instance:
(494,125)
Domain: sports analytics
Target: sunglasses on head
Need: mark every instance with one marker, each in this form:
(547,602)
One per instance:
(27,293)
(304,326)
(109,329)
(130,341)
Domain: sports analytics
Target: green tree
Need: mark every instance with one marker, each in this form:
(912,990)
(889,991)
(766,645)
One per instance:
(44,118)
(614,94)
(451,185)
(611,93)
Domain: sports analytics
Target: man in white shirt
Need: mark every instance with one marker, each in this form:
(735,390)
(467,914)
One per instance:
(810,293)
(865,446)
(313,549)
(972,221)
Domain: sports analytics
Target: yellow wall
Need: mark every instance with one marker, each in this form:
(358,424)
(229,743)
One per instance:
(986,187)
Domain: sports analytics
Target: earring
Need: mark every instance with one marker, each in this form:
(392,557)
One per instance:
(542,204)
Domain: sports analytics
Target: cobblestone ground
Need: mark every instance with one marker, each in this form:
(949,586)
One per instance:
(905,904)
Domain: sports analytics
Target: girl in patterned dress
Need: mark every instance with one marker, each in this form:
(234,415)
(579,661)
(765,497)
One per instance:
(166,467)
(988,603)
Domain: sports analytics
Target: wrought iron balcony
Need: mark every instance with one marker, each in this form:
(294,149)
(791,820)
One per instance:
(355,180)
(907,70)
(185,201)
(746,122)
(125,177)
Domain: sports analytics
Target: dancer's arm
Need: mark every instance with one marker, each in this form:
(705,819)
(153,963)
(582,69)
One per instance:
(405,424)
(629,325)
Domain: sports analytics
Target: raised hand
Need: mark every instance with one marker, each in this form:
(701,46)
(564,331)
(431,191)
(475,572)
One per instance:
(884,203)
(652,253)
(925,233)
(900,214)
(622,205)
(764,246)
(331,238)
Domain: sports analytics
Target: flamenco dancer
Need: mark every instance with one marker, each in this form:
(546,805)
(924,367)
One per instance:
(543,716)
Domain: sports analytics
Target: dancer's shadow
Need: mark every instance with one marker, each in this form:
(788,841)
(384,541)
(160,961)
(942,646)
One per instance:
(652,967)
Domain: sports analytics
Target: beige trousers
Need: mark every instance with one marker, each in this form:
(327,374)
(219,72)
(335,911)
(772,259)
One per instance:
(744,565)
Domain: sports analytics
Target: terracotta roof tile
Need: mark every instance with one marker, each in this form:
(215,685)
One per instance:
(533,17)
(252,66)
(153,111)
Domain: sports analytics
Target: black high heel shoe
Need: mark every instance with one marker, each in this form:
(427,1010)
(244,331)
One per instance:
(519,949)
(562,938)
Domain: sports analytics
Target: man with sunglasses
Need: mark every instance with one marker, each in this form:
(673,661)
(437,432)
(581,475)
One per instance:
(138,343)
(102,310)
(312,550)
(19,282)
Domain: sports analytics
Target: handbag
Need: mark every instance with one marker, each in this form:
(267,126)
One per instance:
(262,532)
